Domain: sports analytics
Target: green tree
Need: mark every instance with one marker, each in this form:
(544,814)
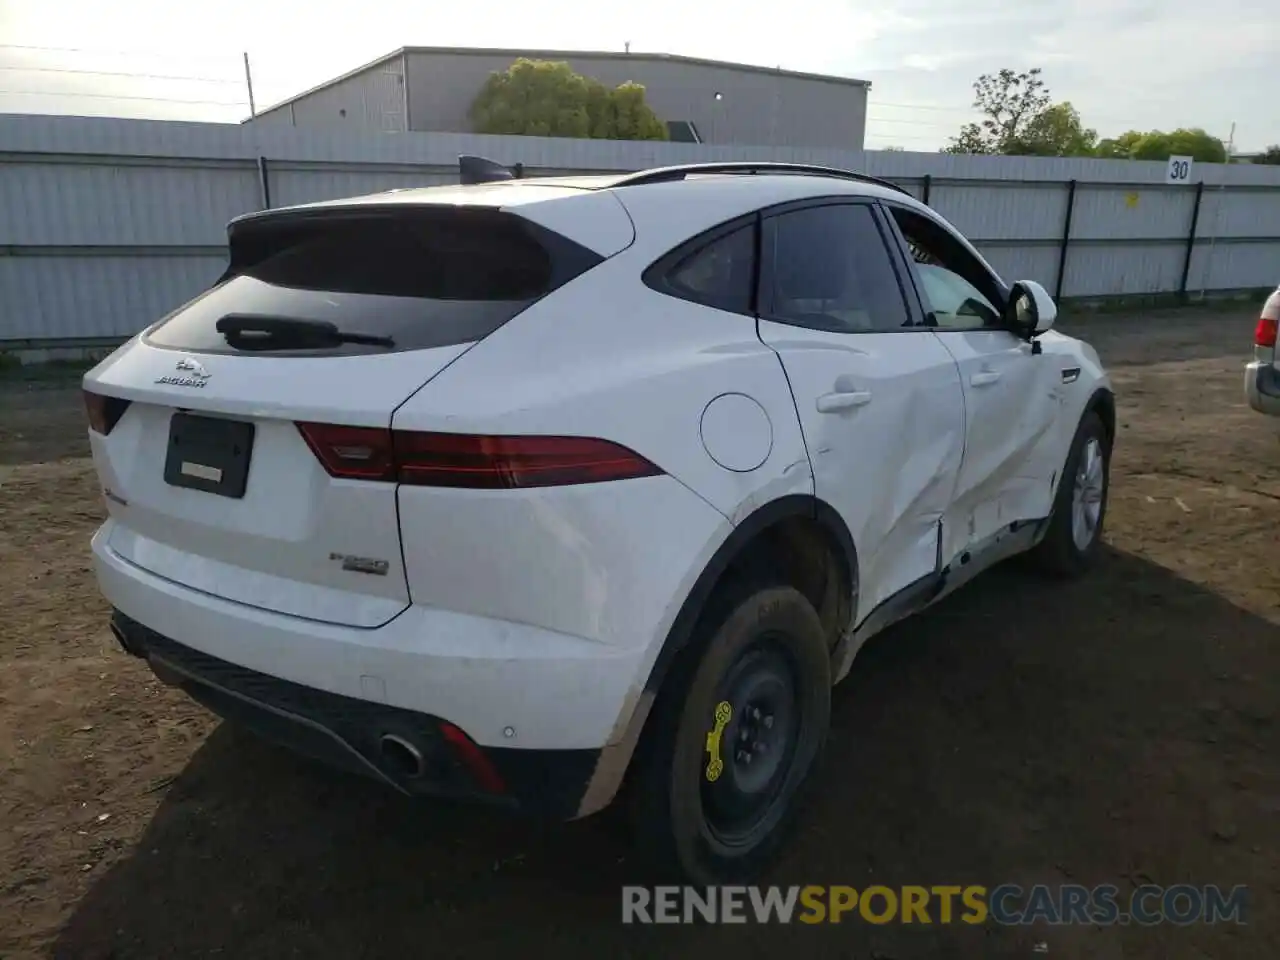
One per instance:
(1271,155)
(545,98)
(1010,102)
(1158,145)
(632,117)
(1119,148)
(1056,131)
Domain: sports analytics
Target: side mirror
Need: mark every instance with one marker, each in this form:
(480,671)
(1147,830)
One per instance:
(1030,310)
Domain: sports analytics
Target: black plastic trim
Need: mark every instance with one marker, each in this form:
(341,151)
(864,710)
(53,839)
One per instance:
(1103,401)
(912,598)
(902,269)
(792,505)
(342,731)
(749,167)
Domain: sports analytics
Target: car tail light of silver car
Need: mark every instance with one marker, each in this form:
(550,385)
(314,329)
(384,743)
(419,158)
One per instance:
(1265,334)
(464,460)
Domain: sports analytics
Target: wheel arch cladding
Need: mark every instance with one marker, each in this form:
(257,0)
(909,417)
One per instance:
(789,539)
(1103,403)
(819,559)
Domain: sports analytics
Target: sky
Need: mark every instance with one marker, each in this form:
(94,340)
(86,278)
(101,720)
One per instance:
(1124,64)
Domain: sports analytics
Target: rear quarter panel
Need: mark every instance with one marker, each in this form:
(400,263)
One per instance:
(604,357)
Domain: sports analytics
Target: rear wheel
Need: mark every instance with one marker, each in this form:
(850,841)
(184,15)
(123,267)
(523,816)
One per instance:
(1074,537)
(735,739)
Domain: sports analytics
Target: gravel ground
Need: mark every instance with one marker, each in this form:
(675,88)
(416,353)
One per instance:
(1120,729)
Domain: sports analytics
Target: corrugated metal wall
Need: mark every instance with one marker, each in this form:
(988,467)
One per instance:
(106,225)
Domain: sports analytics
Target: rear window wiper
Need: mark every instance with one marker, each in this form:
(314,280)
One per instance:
(245,332)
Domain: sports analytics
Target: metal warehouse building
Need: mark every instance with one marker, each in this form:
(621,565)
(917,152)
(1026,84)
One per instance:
(430,89)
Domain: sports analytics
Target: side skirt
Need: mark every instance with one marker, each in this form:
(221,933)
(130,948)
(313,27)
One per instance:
(1019,537)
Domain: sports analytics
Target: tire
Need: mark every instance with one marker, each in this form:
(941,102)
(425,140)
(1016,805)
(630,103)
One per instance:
(1067,550)
(763,652)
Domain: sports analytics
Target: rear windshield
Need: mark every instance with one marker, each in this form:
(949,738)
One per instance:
(420,277)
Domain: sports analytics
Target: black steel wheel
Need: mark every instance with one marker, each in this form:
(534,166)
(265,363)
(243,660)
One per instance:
(735,739)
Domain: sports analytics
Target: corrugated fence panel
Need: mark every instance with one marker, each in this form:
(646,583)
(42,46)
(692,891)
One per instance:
(1113,213)
(1246,213)
(999,212)
(1111,269)
(1023,262)
(1234,266)
(65,297)
(106,224)
(292,184)
(121,203)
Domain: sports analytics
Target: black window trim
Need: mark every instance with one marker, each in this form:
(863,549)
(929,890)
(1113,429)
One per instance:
(904,252)
(656,276)
(911,304)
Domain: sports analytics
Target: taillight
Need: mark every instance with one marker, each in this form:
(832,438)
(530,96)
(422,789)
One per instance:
(354,453)
(466,460)
(1265,334)
(104,412)
(458,460)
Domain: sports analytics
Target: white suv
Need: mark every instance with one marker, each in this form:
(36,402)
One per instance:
(530,490)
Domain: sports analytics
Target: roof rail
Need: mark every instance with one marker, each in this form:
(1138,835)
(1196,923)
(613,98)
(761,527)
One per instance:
(680,171)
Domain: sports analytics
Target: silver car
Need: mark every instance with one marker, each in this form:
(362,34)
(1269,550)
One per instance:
(1262,376)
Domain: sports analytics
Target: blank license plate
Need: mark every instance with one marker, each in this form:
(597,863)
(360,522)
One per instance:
(209,454)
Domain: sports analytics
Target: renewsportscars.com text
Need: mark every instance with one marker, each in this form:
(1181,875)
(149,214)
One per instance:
(1007,904)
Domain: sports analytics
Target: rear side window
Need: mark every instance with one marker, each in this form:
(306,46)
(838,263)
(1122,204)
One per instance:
(417,277)
(827,268)
(719,273)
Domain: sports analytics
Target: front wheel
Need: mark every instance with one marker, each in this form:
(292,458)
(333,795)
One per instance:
(736,739)
(1074,537)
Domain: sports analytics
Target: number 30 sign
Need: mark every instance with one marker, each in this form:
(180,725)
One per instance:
(1179,170)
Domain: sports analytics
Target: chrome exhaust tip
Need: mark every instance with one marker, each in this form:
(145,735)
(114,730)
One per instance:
(401,756)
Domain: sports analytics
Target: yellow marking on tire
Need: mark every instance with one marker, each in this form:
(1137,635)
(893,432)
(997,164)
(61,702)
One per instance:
(715,766)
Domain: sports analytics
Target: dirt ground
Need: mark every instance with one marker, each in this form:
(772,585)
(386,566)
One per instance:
(1120,729)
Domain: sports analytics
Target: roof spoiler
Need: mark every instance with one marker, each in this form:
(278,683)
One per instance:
(483,170)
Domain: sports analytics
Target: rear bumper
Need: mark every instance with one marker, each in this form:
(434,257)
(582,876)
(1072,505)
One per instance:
(538,705)
(348,734)
(1262,387)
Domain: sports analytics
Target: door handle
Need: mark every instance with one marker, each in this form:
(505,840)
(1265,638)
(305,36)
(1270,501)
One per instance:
(843,400)
(984,378)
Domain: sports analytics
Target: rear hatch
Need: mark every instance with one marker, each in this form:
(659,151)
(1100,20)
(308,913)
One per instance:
(209,428)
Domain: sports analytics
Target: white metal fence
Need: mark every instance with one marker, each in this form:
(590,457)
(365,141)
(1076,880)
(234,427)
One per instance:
(107,224)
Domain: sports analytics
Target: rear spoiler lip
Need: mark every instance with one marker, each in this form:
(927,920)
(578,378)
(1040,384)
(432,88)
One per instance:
(244,227)
(471,170)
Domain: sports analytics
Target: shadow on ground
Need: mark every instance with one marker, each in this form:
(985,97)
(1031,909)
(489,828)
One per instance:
(1118,729)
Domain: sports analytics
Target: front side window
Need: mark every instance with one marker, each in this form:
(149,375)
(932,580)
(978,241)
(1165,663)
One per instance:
(959,293)
(954,302)
(828,269)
